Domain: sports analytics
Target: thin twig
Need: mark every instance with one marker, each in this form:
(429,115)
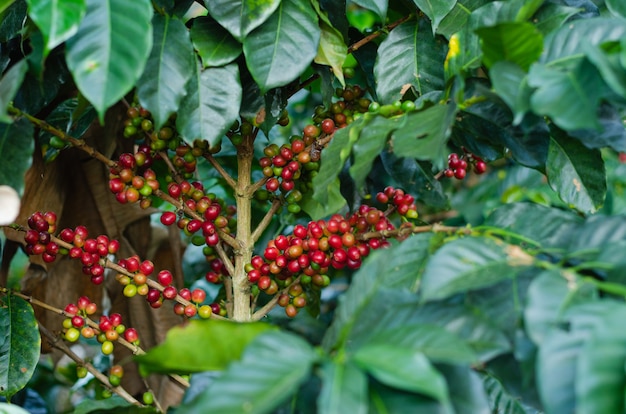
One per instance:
(405,231)
(78,143)
(356,46)
(57,343)
(261,313)
(229,180)
(260,228)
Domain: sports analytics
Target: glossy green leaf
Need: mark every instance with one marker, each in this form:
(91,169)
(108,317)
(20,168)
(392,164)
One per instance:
(6,408)
(215,45)
(425,134)
(170,65)
(572,38)
(9,85)
(435,342)
(552,16)
(335,156)
(510,82)
(436,10)
(617,7)
(332,50)
(549,295)
(115,404)
(211,104)
(500,398)
(520,43)
(12,19)
(370,144)
(600,375)
(57,20)
(103,60)
(259,382)
(397,267)
(241,17)
(607,60)
(379,7)
(16,144)
(279,50)
(344,389)
(551,227)
(409,57)
(528,9)
(470,264)
(576,173)
(612,133)
(333,203)
(556,370)
(457,18)
(185,348)
(4,4)
(570,96)
(405,369)
(19,344)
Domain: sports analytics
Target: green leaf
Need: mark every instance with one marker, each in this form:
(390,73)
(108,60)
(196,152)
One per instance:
(19,344)
(57,20)
(258,383)
(617,7)
(576,173)
(405,369)
(16,144)
(552,16)
(170,65)
(600,375)
(115,404)
(6,408)
(334,157)
(436,10)
(241,17)
(520,43)
(500,398)
(549,295)
(332,50)
(12,20)
(5,4)
(9,85)
(372,140)
(395,268)
(457,18)
(215,45)
(425,134)
(185,348)
(344,389)
(379,7)
(570,97)
(607,60)
(469,264)
(551,227)
(510,82)
(572,38)
(334,202)
(528,9)
(556,370)
(278,51)
(108,53)
(211,104)
(435,342)
(409,57)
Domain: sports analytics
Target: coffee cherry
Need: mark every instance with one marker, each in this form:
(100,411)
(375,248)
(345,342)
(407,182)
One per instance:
(130,335)
(107,347)
(165,277)
(205,311)
(459,173)
(198,296)
(72,334)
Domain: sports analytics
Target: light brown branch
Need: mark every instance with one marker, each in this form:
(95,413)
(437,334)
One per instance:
(260,228)
(258,315)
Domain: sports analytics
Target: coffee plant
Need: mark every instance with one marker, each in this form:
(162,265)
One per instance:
(353,206)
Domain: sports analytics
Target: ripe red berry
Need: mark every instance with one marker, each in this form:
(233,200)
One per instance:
(459,173)
(170,292)
(130,335)
(328,126)
(165,277)
(168,218)
(480,167)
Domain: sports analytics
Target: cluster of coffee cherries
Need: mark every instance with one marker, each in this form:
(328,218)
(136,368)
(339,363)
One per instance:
(392,109)
(39,236)
(457,165)
(311,250)
(350,103)
(132,181)
(90,251)
(217,216)
(108,330)
(403,203)
(138,285)
(284,166)
(139,124)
